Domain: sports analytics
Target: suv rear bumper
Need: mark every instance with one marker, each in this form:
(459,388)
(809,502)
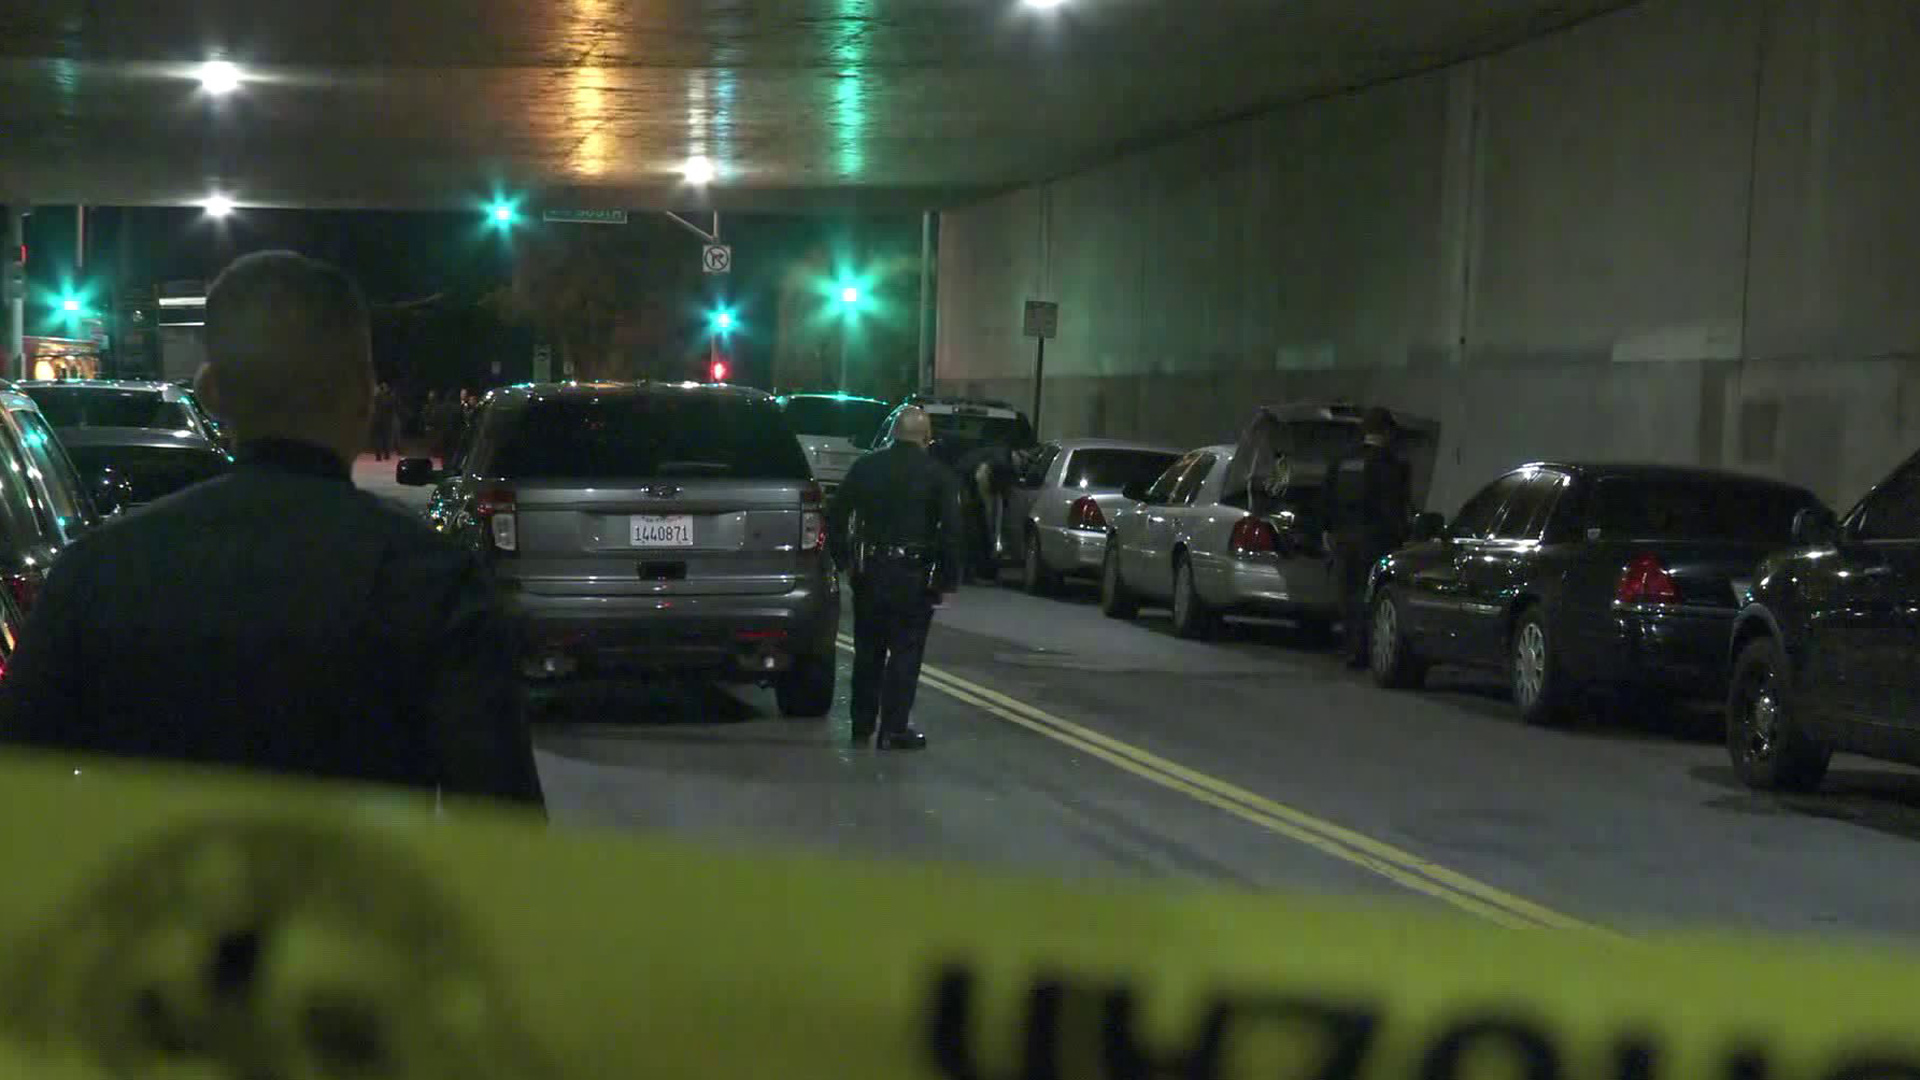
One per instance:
(741,638)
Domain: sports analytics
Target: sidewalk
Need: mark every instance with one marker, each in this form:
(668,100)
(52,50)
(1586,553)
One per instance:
(377,477)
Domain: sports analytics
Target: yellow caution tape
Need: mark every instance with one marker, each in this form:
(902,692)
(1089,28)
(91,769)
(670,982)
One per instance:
(186,924)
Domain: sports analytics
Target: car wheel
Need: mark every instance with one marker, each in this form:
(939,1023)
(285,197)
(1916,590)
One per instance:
(806,692)
(1116,602)
(1533,670)
(1035,576)
(1769,750)
(1389,654)
(1191,619)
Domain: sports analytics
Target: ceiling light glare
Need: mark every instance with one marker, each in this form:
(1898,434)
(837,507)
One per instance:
(219,77)
(217,206)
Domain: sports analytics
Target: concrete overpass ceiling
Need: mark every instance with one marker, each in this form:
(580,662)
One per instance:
(876,104)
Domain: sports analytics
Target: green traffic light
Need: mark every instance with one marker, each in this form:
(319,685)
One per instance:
(850,295)
(70,305)
(501,214)
(723,320)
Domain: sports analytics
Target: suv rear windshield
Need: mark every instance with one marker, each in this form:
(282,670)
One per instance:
(1635,508)
(73,407)
(1115,469)
(647,435)
(972,430)
(836,417)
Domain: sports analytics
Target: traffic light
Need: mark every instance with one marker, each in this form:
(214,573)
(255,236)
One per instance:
(501,214)
(722,321)
(850,295)
(718,370)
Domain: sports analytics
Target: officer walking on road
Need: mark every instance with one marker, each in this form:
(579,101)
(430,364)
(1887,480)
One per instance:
(905,551)
(1372,508)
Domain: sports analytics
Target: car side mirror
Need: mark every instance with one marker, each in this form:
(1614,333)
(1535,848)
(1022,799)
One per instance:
(1815,527)
(415,472)
(1426,528)
(1135,492)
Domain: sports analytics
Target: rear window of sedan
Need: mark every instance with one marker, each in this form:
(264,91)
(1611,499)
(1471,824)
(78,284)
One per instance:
(1703,508)
(648,435)
(1112,470)
(71,408)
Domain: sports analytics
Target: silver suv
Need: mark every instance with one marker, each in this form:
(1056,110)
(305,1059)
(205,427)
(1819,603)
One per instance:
(649,527)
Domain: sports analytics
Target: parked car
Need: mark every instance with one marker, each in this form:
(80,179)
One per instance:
(43,504)
(647,528)
(134,442)
(1826,652)
(1570,575)
(833,430)
(1057,513)
(1239,528)
(962,424)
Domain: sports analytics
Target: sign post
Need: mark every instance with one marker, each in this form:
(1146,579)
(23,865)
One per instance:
(1042,322)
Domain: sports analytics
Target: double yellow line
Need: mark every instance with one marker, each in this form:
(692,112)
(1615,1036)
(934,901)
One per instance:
(1401,867)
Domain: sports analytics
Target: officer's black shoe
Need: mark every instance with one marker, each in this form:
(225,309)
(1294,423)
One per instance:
(904,739)
(862,736)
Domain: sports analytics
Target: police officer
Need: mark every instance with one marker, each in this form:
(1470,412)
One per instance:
(1372,508)
(905,553)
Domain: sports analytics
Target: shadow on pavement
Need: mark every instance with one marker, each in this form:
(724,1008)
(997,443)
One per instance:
(1885,800)
(1594,716)
(613,703)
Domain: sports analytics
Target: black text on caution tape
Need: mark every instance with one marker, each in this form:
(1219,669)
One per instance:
(1085,1030)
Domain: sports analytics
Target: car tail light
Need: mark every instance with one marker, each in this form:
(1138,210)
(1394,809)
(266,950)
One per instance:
(24,585)
(496,510)
(1085,515)
(1645,581)
(1254,536)
(813,518)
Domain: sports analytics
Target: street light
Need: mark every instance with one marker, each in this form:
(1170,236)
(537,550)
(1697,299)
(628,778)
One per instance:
(219,77)
(217,206)
(698,171)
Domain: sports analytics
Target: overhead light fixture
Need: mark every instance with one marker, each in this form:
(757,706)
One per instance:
(1044,4)
(217,206)
(183,301)
(698,171)
(219,77)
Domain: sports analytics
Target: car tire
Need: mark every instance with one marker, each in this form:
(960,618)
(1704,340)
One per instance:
(1035,577)
(1390,655)
(1192,619)
(1768,749)
(1116,601)
(806,691)
(1533,670)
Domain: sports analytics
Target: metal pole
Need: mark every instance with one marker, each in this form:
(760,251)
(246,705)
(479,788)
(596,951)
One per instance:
(846,331)
(926,297)
(17,303)
(1039,379)
(713,335)
(79,239)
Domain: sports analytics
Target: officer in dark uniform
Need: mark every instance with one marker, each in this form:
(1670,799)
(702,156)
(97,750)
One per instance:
(1372,509)
(986,475)
(905,552)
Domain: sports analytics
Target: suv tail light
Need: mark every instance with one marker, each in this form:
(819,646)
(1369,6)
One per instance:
(813,519)
(1085,515)
(1645,581)
(1254,536)
(24,585)
(496,510)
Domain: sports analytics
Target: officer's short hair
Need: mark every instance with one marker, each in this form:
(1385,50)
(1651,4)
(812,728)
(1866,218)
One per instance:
(913,425)
(288,342)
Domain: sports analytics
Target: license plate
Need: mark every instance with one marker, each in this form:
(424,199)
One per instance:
(1741,587)
(662,531)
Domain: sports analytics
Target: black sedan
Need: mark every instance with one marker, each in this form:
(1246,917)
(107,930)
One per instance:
(1827,652)
(1564,576)
(141,465)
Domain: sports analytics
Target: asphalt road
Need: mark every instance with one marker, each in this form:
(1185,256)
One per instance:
(1067,744)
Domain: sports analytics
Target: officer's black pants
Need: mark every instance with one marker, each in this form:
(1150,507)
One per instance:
(891,615)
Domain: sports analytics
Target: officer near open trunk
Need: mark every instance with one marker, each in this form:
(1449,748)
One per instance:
(896,523)
(1371,511)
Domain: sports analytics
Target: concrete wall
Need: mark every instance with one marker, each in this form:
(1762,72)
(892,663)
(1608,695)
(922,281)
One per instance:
(1688,232)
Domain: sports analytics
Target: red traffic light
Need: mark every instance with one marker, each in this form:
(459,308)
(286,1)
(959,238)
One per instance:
(719,371)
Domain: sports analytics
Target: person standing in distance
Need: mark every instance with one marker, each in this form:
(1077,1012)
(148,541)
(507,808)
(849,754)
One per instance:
(1371,512)
(908,552)
(278,617)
